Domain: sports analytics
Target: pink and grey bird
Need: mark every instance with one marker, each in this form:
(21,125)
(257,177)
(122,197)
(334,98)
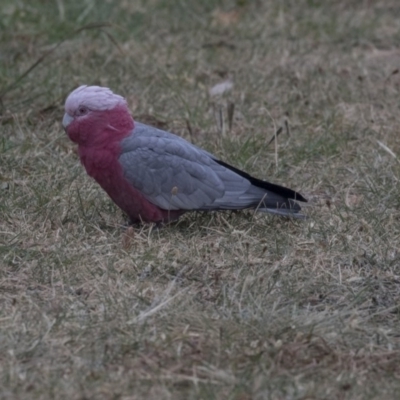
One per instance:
(156,176)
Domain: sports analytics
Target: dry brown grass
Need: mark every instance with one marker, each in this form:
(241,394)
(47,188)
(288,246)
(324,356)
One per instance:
(224,306)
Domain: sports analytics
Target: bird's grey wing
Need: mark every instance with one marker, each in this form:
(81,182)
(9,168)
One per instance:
(176,175)
(143,130)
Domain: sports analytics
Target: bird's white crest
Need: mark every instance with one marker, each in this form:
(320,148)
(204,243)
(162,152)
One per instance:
(94,98)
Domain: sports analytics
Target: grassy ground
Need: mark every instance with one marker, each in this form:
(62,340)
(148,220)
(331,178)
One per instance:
(218,306)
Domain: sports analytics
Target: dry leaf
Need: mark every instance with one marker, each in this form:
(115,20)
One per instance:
(221,88)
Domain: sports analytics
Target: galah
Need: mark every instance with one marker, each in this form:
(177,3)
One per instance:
(154,175)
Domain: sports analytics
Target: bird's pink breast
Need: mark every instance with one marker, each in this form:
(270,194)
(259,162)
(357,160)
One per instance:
(102,164)
(99,138)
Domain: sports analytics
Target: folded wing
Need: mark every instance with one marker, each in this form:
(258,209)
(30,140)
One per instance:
(176,175)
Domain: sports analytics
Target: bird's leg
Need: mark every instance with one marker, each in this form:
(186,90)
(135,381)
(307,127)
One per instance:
(133,222)
(158,225)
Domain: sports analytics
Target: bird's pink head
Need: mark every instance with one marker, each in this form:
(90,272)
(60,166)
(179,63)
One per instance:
(95,116)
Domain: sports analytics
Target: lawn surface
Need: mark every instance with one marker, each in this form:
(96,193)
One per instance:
(223,305)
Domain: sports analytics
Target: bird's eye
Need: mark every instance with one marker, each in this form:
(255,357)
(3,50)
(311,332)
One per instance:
(82,110)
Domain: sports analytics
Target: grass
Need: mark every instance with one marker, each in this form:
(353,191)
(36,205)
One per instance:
(225,305)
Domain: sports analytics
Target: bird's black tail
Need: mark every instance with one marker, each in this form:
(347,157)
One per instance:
(283,201)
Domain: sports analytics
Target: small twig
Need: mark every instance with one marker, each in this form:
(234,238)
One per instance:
(114,42)
(387,149)
(219,119)
(275,137)
(231,111)
(394,72)
(189,127)
(222,120)
(287,126)
(280,129)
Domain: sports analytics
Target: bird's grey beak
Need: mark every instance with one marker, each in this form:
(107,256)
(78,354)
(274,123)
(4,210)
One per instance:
(67,120)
